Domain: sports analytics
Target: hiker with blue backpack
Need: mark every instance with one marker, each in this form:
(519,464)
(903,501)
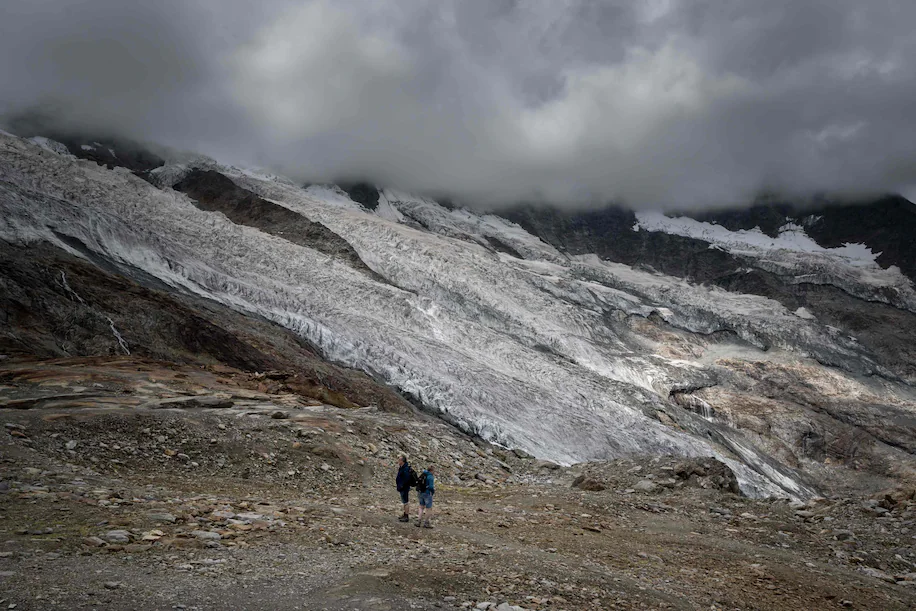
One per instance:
(426,488)
(425,483)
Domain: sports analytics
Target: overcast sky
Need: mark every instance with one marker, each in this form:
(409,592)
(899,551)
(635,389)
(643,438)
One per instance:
(658,102)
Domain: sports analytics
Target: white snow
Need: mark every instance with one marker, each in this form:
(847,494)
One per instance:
(386,210)
(791,237)
(804,313)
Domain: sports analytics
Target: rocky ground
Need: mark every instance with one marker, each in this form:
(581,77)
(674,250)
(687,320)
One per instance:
(128,483)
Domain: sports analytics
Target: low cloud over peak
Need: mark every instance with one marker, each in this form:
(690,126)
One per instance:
(653,104)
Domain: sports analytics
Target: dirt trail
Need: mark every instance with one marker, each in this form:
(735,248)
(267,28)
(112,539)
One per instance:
(113,495)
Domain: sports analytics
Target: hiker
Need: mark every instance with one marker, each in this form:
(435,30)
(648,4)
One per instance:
(426,488)
(404,482)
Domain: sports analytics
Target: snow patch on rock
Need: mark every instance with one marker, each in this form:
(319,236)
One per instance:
(791,237)
(794,255)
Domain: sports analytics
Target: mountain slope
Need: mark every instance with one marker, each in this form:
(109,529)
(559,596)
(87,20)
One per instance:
(567,355)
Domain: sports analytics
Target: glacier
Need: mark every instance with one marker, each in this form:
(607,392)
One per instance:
(522,344)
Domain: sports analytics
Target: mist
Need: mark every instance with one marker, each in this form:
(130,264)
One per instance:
(651,104)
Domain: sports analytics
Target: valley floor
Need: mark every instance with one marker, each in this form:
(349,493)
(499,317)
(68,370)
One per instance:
(131,484)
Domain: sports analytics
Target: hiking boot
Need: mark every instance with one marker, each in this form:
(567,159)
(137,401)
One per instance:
(426,524)
(404,518)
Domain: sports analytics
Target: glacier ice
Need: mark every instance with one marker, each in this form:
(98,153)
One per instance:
(517,350)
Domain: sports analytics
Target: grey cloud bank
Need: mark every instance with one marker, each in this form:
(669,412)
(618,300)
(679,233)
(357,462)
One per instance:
(658,103)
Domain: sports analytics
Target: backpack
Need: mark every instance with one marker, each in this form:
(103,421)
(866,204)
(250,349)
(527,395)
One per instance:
(420,484)
(413,480)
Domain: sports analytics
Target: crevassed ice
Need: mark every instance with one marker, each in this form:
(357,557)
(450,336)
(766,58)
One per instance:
(515,350)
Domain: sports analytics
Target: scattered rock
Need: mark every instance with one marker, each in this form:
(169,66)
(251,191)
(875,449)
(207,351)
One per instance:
(645,485)
(872,572)
(137,548)
(843,535)
(117,536)
(588,484)
(707,473)
(166,518)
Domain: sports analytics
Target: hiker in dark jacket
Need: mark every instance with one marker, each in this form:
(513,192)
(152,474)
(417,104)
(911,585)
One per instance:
(426,488)
(403,483)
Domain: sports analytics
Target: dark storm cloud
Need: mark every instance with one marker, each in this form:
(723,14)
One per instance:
(654,103)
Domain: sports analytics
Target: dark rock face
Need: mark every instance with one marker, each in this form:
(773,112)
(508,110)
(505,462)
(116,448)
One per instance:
(108,150)
(362,193)
(608,233)
(113,152)
(214,191)
(500,246)
(886,225)
(768,217)
(55,305)
(887,332)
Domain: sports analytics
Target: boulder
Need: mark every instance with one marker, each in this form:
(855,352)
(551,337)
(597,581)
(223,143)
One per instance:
(707,473)
(645,485)
(117,536)
(588,484)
